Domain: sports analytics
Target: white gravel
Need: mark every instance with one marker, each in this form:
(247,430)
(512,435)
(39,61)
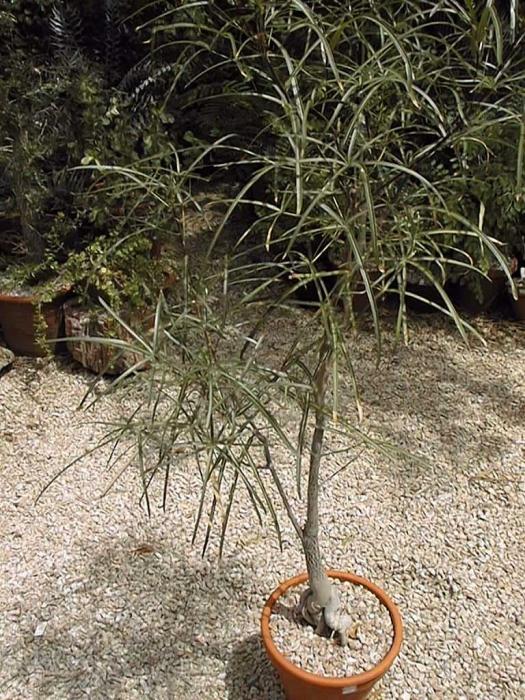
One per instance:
(370,633)
(98,601)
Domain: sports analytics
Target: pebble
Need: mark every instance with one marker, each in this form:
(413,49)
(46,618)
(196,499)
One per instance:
(6,358)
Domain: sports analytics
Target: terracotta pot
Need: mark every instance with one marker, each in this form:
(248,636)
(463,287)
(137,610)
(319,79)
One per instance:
(302,685)
(19,321)
(81,321)
(490,290)
(518,305)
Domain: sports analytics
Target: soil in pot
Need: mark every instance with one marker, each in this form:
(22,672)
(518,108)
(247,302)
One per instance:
(318,668)
(370,635)
(29,327)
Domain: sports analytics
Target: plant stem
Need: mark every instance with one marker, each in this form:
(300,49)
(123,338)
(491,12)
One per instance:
(318,580)
(269,465)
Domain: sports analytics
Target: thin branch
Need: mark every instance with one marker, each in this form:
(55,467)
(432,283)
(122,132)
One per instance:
(345,466)
(269,465)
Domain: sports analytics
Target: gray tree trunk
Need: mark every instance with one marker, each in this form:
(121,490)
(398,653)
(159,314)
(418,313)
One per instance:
(320,604)
(319,582)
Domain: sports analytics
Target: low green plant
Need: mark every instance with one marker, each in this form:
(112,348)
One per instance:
(121,272)
(68,100)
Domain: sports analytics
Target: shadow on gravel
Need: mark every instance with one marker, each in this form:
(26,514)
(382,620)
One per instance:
(138,618)
(456,410)
(249,673)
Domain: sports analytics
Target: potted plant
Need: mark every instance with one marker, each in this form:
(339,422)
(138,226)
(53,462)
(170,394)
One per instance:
(351,162)
(39,221)
(31,319)
(29,313)
(114,274)
(61,87)
(193,342)
(31,293)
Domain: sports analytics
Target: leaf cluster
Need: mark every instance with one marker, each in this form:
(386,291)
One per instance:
(367,124)
(67,100)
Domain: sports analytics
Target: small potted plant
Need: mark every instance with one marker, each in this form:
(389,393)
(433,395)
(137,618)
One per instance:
(58,107)
(29,314)
(40,224)
(113,275)
(31,318)
(31,290)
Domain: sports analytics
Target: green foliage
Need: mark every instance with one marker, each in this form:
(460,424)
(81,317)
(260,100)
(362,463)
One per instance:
(67,101)
(121,272)
(366,125)
(493,189)
(366,122)
(399,106)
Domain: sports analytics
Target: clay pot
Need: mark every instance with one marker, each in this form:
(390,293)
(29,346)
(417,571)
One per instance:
(518,305)
(19,321)
(102,358)
(490,290)
(302,685)
(359,300)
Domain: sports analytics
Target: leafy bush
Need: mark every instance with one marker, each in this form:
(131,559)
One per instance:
(363,120)
(492,187)
(67,96)
(370,127)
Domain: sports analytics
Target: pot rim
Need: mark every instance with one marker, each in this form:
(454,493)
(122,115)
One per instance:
(359,679)
(12,298)
(18,298)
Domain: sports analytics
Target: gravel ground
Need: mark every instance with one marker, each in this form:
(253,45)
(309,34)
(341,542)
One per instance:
(98,601)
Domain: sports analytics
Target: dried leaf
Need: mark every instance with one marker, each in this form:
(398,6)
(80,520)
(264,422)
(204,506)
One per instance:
(144,550)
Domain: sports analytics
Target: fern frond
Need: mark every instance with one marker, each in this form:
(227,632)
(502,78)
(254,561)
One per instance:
(66,28)
(135,76)
(150,88)
(115,32)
